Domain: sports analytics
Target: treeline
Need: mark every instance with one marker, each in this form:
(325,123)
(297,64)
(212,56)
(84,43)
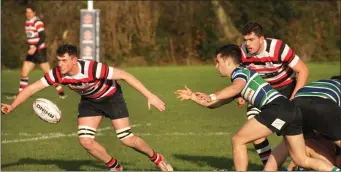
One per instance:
(138,33)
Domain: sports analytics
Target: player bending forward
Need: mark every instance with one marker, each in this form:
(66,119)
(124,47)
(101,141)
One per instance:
(277,114)
(100,96)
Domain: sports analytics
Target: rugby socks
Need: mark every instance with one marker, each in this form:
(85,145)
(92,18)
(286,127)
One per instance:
(59,90)
(156,158)
(23,83)
(264,150)
(113,163)
(335,169)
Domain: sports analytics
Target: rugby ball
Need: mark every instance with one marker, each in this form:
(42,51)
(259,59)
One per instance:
(47,110)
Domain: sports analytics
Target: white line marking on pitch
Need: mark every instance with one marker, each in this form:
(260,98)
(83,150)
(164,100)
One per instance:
(54,135)
(59,135)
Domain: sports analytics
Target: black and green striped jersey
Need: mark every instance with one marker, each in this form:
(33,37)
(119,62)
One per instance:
(327,89)
(256,91)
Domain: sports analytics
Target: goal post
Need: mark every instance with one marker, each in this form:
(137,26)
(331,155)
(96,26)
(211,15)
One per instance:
(89,32)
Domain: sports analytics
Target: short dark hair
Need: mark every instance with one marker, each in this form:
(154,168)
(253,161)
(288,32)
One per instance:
(336,77)
(253,27)
(230,51)
(67,48)
(30,6)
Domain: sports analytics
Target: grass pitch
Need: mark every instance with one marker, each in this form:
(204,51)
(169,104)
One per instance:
(191,137)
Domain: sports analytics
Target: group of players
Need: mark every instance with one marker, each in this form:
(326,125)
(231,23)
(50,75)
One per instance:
(268,75)
(265,73)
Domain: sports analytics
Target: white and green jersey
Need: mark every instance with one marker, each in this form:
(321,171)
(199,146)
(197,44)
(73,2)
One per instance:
(256,91)
(327,89)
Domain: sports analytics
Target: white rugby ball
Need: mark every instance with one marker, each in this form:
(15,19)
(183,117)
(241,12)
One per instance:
(47,110)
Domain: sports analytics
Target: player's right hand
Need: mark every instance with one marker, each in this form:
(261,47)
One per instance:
(156,102)
(5,108)
(240,101)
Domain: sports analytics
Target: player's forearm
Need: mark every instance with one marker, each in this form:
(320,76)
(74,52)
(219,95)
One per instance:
(27,92)
(120,74)
(135,83)
(302,77)
(23,96)
(195,99)
(227,92)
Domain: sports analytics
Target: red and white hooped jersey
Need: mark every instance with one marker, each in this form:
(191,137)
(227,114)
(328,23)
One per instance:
(274,64)
(32,29)
(94,79)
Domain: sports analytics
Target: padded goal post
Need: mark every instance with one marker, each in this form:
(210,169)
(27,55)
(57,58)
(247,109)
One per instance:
(89,33)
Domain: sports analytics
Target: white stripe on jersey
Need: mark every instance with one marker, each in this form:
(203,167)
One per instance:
(33,40)
(308,86)
(86,68)
(111,71)
(285,52)
(272,47)
(272,98)
(23,83)
(30,28)
(236,73)
(110,89)
(40,29)
(44,81)
(294,61)
(91,92)
(99,70)
(39,23)
(51,76)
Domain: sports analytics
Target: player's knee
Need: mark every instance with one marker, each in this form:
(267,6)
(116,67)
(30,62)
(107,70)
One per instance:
(126,136)
(87,143)
(236,140)
(86,136)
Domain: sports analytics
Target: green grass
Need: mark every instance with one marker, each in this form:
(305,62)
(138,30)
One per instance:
(191,137)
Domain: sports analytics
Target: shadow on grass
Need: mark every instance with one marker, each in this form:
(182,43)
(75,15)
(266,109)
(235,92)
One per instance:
(68,165)
(73,165)
(217,162)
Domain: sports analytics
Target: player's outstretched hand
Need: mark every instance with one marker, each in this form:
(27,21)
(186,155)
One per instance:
(203,96)
(184,94)
(156,102)
(5,108)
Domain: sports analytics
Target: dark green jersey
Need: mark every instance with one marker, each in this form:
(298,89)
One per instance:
(327,89)
(257,91)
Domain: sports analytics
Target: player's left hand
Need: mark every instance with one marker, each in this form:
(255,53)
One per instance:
(32,50)
(156,102)
(184,94)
